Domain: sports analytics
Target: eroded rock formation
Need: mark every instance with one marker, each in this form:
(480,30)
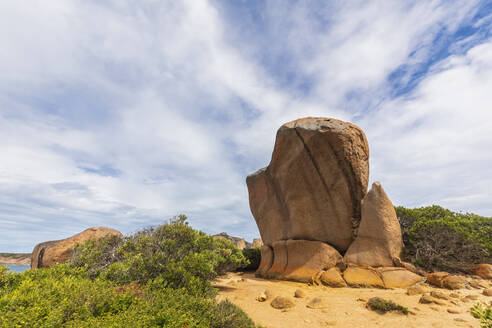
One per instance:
(379,241)
(48,253)
(313,186)
(311,205)
(298,260)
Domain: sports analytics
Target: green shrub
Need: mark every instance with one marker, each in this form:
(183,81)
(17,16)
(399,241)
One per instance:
(439,239)
(63,296)
(158,277)
(253,255)
(381,305)
(178,255)
(483,314)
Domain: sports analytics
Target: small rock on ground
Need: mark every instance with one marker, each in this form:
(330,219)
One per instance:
(439,294)
(416,290)
(281,302)
(471,297)
(317,303)
(299,293)
(454,311)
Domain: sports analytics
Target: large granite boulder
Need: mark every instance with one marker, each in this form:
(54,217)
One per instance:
(48,253)
(313,186)
(379,242)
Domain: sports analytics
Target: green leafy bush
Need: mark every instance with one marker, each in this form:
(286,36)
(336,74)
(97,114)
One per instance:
(381,305)
(158,277)
(483,314)
(253,255)
(174,252)
(63,296)
(439,239)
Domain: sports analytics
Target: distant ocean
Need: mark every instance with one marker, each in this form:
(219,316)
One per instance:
(17,268)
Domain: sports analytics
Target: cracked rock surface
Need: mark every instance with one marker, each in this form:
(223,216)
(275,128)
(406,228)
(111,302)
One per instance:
(313,187)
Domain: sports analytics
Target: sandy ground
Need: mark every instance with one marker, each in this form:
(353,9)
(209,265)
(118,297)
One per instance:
(346,306)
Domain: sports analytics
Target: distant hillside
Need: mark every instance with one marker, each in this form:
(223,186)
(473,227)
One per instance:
(15,258)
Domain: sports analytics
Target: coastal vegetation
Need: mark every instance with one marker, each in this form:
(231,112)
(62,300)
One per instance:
(157,277)
(381,305)
(438,239)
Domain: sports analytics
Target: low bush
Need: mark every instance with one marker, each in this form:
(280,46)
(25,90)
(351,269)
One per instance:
(158,277)
(483,314)
(181,256)
(439,239)
(253,255)
(381,305)
(63,296)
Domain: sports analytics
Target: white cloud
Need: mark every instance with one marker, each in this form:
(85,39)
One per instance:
(432,146)
(121,114)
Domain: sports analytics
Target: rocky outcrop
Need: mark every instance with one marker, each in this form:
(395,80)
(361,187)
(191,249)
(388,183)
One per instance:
(399,277)
(383,277)
(332,278)
(312,188)
(298,260)
(15,259)
(363,277)
(446,280)
(257,243)
(483,270)
(239,242)
(48,253)
(379,241)
(311,202)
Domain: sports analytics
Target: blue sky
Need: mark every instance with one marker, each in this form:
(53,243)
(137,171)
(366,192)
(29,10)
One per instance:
(125,113)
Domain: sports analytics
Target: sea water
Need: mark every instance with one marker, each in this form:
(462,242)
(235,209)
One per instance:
(17,268)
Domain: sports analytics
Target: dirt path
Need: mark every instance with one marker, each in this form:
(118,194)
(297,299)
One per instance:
(346,306)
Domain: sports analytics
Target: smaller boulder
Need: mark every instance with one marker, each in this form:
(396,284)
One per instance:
(437,278)
(477,284)
(399,277)
(453,311)
(49,253)
(282,302)
(265,295)
(305,258)
(299,293)
(446,280)
(454,282)
(471,297)
(379,240)
(427,299)
(417,290)
(363,277)
(487,292)
(332,278)
(439,294)
(483,270)
(317,303)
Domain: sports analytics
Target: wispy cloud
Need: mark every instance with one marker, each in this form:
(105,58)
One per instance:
(125,113)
